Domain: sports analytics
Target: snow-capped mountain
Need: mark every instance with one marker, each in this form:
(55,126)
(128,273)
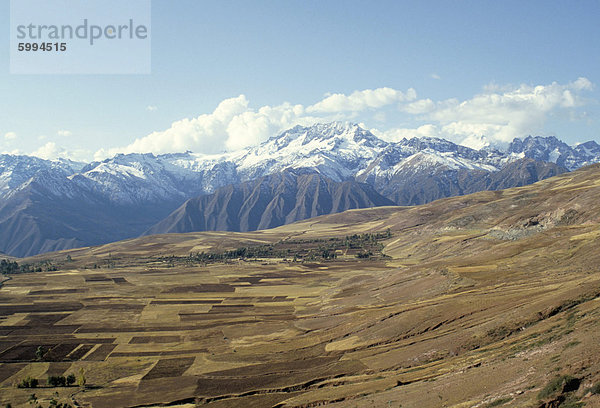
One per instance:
(552,150)
(48,205)
(336,150)
(16,172)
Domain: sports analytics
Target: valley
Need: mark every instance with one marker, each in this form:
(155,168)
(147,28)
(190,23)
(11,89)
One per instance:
(475,301)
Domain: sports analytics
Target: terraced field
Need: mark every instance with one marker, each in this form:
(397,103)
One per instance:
(473,301)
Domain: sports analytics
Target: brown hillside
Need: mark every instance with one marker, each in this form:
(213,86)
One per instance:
(474,301)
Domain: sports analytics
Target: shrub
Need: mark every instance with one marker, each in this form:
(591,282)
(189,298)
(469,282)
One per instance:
(81,378)
(70,379)
(558,385)
(57,381)
(365,254)
(61,380)
(28,382)
(39,353)
(498,402)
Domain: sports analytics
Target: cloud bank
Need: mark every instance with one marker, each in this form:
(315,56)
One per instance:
(361,100)
(496,115)
(502,116)
(51,151)
(234,124)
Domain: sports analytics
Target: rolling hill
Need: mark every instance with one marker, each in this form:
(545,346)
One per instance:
(489,299)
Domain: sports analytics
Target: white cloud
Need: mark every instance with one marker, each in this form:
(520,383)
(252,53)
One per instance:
(475,141)
(10,136)
(14,152)
(435,76)
(50,151)
(500,113)
(234,125)
(395,135)
(251,127)
(64,133)
(151,108)
(419,107)
(206,133)
(582,84)
(361,100)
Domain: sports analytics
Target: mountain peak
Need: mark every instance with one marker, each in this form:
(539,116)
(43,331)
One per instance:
(553,150)
(124,195)
(348,131)
(538,142)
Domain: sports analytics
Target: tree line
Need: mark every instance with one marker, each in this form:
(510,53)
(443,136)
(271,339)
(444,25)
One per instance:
(12,267)
(366,244)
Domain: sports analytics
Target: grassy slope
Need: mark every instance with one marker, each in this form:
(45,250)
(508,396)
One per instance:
(484,300)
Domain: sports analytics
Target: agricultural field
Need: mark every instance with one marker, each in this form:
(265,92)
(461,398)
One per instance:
(491,299)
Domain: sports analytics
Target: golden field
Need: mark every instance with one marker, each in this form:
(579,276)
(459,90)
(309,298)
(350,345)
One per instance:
(473,301)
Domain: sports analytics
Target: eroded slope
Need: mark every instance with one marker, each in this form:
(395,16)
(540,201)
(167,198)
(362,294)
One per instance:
(483,300)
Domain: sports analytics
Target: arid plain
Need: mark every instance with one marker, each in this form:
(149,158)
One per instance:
(473,301)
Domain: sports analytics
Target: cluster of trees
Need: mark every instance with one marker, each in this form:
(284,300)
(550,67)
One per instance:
(28,382)
(364,254)
(12,267)
(321,252)
(53,381)
(61,380)
(360,241)
(259,251)
(267,251)
(367,244)
(326,253)
(8,268)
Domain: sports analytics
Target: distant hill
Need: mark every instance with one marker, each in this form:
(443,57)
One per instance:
(409,187)
(52,205)
(488,299)
(269,202)
(571,199)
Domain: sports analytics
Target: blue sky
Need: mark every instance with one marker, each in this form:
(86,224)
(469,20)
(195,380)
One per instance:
(227,74)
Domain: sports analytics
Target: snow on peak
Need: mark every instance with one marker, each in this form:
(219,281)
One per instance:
(338,150)
(553,150)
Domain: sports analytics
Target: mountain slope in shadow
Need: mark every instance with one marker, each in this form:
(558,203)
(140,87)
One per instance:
(269,202)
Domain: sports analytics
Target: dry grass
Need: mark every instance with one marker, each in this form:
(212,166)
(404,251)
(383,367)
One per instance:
(485,300)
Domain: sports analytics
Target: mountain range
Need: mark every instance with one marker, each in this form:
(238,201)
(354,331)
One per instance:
(490,299)
(303,172)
